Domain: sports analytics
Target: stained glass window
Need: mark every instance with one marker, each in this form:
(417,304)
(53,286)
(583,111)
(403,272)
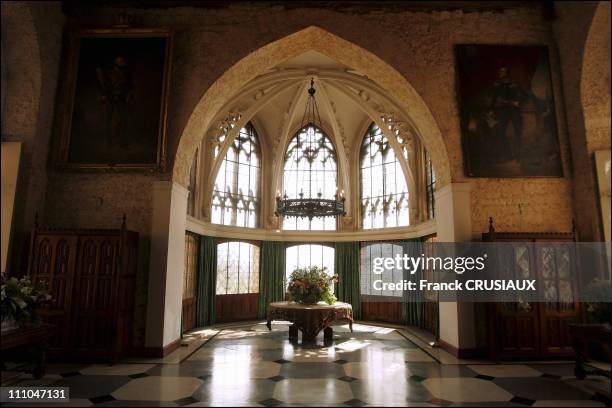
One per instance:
(301,256)
(310,170)
(430,186)
(237,268)
(384,192)
(235,199)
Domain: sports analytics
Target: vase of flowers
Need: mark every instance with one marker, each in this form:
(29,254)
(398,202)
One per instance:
(311,285)
(20,300)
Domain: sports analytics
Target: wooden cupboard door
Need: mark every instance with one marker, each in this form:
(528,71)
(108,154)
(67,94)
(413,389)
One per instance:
(95,296)
(517,330)
(557,288)
(537,329)
(52,264)
(515,326)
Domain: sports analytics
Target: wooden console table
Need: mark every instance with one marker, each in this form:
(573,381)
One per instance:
(310,319)
(35,338)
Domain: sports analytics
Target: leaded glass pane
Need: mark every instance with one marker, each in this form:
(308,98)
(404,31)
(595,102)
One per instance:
(430,186)
(236,192)
(193,176)
(301,256)
(310,169)
(237,268)
(191,265)
(379,250)
(384,192)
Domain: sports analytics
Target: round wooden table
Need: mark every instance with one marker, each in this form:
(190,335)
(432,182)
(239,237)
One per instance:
(310,319)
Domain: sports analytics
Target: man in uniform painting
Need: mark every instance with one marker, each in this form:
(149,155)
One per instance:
(506,107)
(116,85)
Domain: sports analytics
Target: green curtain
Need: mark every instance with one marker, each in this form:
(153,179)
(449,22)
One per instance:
(346,266)
(271,275)
(207,281)
(412,303)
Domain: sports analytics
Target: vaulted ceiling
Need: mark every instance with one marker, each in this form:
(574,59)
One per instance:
(337,111)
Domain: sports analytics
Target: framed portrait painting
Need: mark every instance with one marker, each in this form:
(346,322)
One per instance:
(508,117)
(115,111)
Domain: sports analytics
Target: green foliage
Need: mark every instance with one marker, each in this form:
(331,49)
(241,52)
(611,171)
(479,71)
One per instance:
(20,299)
(311,285)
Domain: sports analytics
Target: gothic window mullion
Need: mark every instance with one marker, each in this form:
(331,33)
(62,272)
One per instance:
(383,195)
(235,198)
(310,167)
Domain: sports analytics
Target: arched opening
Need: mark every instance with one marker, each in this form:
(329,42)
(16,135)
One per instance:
(370,92)
(317,39)
(595,98)
(235,195)
(384,192)
(595,80)
(310,171)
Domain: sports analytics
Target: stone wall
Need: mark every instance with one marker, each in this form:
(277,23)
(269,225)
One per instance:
(31,49)
(419,45)
(572,30)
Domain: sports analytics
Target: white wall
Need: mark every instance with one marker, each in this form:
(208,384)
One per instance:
(453,224)
(167,262)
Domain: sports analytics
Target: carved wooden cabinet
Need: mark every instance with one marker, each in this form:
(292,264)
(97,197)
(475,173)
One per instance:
(91,277)
(535,329)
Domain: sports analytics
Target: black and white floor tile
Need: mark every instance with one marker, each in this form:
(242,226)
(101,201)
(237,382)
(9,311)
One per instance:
(373,366)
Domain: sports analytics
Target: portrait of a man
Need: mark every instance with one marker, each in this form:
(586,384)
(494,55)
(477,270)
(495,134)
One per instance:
(116,87)
(507,111)
(117,115)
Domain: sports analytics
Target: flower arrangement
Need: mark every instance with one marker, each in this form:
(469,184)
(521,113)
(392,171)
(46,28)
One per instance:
(20,299)
(311,285)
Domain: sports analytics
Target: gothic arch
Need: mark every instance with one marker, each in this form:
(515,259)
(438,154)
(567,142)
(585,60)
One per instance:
(312,38)
(595,80)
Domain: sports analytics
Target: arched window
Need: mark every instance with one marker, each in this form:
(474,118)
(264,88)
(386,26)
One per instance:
(237,268)
(384,192)
(301,256)
(235,197)
(384,250)
(310,171)
(193,183)
(430,187)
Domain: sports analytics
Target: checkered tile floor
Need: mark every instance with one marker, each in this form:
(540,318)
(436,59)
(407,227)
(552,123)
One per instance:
(249,366)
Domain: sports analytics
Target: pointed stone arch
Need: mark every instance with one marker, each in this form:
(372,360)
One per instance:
(595,80)
(349,54)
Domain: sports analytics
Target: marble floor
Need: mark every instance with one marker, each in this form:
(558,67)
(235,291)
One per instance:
(249,366)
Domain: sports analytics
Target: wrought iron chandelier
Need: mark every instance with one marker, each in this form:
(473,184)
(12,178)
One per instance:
(307,206)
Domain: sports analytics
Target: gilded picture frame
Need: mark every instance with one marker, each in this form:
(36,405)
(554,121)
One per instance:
(118,80)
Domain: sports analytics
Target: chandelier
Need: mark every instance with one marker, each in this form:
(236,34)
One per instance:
(307,206)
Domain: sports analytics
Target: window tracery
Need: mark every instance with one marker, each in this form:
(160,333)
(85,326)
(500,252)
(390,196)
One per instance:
(310,171)
(384,191)
(235,198)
